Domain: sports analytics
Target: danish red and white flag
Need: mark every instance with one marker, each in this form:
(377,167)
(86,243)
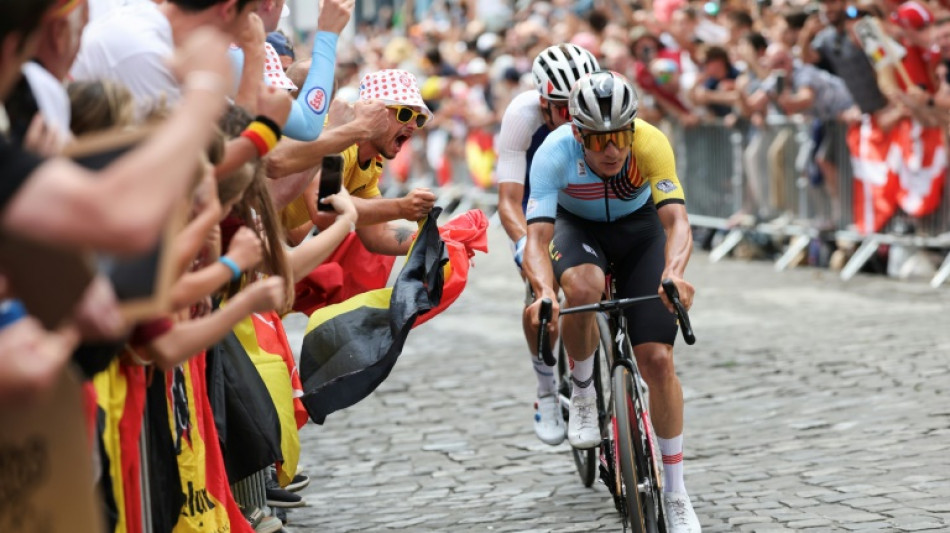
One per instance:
(873,156)
(922,171)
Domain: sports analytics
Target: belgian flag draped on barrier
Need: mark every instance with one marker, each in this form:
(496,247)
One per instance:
(351,347)
(208,504)
(120,394)
(263,338)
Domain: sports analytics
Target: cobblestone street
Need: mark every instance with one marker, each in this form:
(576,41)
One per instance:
(811,405)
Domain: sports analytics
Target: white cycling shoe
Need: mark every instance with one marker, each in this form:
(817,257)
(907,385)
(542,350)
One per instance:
(583,431)
(548,422)
(680,516)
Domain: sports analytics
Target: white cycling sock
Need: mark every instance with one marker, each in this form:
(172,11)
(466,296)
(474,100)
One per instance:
(672,451)
(547,381)
(582,374)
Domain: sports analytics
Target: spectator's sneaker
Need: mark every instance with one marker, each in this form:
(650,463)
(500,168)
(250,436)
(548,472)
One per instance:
(548,422)
(278,497)
(299,483)
(583,431)
(264,524)
(680,516)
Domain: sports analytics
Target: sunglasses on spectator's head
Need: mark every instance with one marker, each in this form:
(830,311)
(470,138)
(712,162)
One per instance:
(598,140)
(559,107)
(406,115)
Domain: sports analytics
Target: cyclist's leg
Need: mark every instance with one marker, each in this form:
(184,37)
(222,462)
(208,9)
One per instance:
(652,331)
(579,266)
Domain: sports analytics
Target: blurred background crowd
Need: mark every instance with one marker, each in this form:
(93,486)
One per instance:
(758,97)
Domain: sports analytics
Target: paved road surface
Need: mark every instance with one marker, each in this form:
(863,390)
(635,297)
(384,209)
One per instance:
(811,405)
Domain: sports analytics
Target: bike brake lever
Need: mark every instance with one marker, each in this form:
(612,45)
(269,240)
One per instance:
(545,353)
(673,294)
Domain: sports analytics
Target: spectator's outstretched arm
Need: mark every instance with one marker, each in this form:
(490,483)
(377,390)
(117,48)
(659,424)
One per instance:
(251,41)
(245,252)
(190,337)
(313,100)
(271,103)
(313,252)
(124,207)
(294,156)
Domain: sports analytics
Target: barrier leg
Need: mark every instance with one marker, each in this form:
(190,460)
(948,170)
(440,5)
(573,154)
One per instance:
(861,256)
(942,273)
(732,239)
(795,247)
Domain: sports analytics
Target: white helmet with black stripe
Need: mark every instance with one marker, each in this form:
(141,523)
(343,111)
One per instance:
(558,68)
(603,101)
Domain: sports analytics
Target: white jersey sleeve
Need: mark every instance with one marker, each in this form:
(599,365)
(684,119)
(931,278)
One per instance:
(521,120)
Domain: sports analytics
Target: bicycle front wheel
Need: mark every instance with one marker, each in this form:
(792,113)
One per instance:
(626,438)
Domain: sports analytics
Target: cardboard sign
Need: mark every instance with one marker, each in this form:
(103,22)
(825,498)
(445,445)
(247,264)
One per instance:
(46,479)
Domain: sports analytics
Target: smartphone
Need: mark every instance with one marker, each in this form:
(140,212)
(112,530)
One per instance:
(780,81)
(331,179)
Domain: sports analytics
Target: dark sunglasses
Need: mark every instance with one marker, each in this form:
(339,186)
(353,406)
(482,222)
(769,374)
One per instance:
(598,141)
(406,115)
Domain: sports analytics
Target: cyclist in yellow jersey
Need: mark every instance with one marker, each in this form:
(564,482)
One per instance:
(604,195)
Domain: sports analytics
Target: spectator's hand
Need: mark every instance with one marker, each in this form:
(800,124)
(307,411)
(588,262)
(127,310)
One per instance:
(266,294)
(246,249)
(253,35)
(417,204)
(685,289)
(43,139)
(852,115)
(203,52)
(369,114)
(916,97)
(341,112)
(343,205)
(813,25)
(274,104)
(334,14)
(97,315)
(689,119)
(206,195)
(213,243)
(31,359)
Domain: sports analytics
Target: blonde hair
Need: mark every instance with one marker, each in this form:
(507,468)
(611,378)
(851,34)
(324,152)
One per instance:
(99,105)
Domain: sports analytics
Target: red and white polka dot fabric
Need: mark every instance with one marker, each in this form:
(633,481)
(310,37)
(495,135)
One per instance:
(394,87)
(274,72)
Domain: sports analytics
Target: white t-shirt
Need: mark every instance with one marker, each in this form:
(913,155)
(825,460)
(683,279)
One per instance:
(130,45)
(50,95)
(519,125)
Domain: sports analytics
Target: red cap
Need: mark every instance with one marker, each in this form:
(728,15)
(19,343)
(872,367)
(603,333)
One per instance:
(912,16)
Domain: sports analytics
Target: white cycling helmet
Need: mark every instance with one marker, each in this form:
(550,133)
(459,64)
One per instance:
(558,68)
(603,101)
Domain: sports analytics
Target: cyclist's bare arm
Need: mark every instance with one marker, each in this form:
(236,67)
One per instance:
(510,195)
(538,269)
(679,246)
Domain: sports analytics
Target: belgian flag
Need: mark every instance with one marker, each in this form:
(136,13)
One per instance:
(351,347)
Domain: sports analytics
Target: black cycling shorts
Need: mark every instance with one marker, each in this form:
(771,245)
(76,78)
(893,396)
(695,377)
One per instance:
(633,250)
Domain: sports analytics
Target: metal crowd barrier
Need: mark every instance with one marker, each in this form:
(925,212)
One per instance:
(744,179)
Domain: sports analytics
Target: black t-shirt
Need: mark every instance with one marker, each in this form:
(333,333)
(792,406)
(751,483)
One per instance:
(16,165)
